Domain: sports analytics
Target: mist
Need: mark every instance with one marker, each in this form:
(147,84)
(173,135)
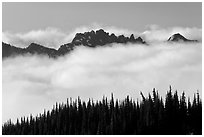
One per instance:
(33,83)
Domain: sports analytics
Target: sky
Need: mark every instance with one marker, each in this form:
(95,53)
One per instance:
(23,17)
(127,69)
(54,24)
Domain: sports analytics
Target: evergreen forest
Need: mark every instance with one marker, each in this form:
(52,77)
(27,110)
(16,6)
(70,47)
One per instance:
(152,115)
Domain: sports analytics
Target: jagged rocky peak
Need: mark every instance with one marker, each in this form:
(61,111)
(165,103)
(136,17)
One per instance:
(100,37)
(179,38)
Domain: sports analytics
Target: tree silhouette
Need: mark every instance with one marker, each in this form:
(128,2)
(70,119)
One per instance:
(151,115)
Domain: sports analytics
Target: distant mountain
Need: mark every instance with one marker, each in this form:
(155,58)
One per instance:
(34,48)
(96,39)
(88,39)
(8,50)
(179,38)
(100,38)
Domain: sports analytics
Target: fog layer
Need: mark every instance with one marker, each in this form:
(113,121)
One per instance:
(32,83)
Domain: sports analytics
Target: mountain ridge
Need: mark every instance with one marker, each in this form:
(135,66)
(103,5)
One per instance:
(89,39)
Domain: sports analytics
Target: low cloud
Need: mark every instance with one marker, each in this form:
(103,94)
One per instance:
(53,37)
(32,83)
(49,37)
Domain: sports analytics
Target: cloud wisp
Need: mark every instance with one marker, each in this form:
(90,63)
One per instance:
(32,83)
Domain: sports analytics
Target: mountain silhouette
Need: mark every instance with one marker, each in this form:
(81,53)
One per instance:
(179,38)
(96,39)
(34,48)
(90,39)
(9,50)
(100,38)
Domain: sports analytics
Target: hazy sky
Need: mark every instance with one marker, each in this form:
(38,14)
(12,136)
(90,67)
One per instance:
(23,17)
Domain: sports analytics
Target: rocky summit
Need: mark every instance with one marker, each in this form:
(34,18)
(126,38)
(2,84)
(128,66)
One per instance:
(179,38)
(96,39)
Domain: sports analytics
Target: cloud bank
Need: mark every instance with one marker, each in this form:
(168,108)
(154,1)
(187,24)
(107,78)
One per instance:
(54,38)
(32,83)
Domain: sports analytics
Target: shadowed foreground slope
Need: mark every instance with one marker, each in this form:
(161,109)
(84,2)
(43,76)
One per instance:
(152,115)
